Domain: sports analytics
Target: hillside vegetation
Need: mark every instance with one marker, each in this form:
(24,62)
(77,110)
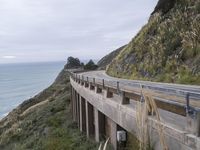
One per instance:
(167,48)
(44,122)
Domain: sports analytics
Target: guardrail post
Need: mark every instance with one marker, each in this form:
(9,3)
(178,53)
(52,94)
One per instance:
(72,75)
(193,118)
(103,83)
(108,93)
(118,90)
(82,82)
(94,80)
(79,79)
(98,89)
(76,78)
(87,82)
(92,87)
(142,98)
(125,100)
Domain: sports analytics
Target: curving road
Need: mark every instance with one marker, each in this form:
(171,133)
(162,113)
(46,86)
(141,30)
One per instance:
(169,89)
(103,75)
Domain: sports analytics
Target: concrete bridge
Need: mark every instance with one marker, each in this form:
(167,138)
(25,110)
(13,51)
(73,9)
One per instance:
(105,107)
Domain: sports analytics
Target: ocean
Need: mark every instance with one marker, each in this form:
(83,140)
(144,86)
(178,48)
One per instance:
(19,82)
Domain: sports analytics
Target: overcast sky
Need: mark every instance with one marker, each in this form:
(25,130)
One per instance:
(52,30)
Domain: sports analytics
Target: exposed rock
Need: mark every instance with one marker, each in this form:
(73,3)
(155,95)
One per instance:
(164,6)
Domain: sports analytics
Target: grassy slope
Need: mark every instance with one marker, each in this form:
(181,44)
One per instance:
(44,122)
(166,49)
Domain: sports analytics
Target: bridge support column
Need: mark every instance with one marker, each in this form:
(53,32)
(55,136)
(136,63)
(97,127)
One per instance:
(96,122)
(71,98)
(89,119)
(73,105)
(78,108)
(111,131)
(82,115)
(99,121)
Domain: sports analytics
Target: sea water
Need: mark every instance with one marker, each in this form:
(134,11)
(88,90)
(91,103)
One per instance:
(19,82)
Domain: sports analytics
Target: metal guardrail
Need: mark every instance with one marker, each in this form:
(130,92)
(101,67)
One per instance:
(187,95)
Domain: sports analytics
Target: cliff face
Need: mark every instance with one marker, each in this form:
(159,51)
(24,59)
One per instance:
(164,6)
(167,48)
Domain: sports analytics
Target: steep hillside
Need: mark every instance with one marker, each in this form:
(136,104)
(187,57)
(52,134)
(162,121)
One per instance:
(108,58)
(167,48)
(44,122)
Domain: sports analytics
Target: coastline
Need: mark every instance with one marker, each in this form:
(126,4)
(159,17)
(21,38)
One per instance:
(21,82)
(44,121)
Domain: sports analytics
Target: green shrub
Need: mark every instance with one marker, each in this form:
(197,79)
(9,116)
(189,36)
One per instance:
(90,65)
(54,121)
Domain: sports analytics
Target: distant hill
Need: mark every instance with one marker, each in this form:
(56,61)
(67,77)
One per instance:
(108,58)
(167,48)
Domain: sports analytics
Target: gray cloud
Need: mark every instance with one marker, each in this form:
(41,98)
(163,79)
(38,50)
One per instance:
(42,30)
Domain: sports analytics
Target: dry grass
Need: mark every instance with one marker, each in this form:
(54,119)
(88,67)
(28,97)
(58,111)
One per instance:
(104,146)
(144,108)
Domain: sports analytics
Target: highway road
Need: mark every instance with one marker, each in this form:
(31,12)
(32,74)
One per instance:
(178,90)
(103,75)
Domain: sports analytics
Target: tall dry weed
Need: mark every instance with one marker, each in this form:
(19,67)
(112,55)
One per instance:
(147,106)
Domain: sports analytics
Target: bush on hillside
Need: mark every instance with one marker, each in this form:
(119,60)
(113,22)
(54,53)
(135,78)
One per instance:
(90,65)
(73,63)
